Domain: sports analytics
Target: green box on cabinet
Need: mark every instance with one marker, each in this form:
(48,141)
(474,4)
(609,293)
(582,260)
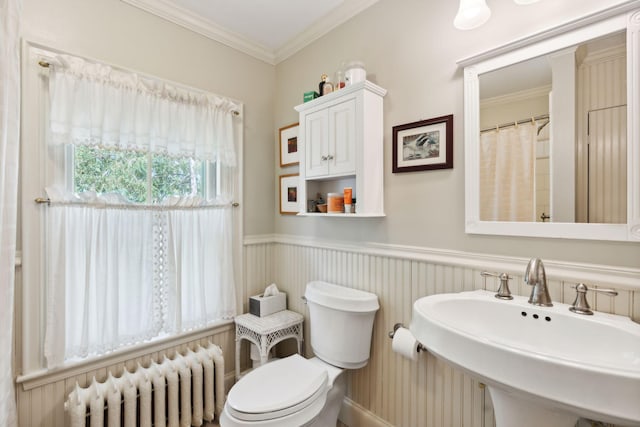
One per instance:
(310,96)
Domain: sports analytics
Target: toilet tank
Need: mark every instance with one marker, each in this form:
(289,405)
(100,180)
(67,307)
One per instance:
(341,323)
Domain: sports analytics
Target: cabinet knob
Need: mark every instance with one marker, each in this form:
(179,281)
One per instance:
(329,157)
(324,158)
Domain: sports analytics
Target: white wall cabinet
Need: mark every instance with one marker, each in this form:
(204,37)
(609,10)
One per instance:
(330,138)
(341,143)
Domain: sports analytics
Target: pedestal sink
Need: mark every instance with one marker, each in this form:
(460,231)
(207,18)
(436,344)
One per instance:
(544,366)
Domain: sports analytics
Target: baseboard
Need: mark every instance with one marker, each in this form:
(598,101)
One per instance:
(354,415)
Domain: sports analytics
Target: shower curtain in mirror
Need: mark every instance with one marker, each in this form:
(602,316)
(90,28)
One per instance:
(507,159)
(9,148)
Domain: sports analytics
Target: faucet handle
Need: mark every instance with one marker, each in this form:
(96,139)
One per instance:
(580,304)
(503,291)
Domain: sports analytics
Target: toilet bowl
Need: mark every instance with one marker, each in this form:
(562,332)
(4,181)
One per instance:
(289,392)
(294,391)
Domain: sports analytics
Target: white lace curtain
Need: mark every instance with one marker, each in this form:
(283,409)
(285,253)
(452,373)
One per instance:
(507,173)
(117,274)
(10,11)
(95,104)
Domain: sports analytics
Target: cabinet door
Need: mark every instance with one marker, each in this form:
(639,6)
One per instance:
(342,138)
(316,140)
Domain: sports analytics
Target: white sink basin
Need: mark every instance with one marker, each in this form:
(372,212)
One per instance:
(544,358)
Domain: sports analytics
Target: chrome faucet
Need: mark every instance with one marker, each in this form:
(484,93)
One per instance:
(535,276)
(503,291)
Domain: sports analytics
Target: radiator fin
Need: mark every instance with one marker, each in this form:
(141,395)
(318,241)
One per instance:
(184,391)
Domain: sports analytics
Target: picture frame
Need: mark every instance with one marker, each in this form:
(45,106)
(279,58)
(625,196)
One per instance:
(423,145)
(289,194)
(289,145)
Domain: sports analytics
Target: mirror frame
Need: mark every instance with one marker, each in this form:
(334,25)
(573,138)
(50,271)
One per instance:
(625,16)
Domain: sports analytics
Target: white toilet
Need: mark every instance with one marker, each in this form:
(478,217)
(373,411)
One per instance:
(294,391)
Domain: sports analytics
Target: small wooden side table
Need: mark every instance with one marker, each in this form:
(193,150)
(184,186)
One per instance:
(265,332)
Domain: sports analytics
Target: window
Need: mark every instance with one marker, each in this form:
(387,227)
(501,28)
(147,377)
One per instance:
(139,238)
(139,177)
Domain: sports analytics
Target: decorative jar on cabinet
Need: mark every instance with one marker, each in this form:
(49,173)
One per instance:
(340,142)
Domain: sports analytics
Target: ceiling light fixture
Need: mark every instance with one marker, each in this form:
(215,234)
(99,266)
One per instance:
(471,14)
(474,13)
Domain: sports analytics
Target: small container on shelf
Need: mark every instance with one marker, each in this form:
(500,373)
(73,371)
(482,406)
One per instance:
(327,88)
(310,96)
(348,191)
(339,83)
(335,203)
(355,72)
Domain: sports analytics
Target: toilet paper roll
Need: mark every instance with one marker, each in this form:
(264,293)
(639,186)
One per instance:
(405,344)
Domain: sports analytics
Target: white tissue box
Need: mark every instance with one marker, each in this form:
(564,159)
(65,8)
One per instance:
(261,306)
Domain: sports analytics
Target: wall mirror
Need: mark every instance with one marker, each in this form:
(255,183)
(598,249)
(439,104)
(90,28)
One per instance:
(552,132)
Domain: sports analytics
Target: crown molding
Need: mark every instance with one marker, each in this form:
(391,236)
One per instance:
(347,10)
(191,21)
(522,95)
(209,29)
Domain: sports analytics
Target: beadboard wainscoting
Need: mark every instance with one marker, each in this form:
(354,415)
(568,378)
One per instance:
(391,390)
(41,397)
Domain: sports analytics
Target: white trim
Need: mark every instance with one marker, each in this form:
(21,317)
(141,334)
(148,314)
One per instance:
(633,123)
(44,376)
(604,55)
(618,277)
(347,10)
(187,19)
(339,94)
(522,95)
(565,36)
(355,415)
(209,29)
(552,32)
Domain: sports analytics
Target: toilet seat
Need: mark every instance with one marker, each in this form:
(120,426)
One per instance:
(279,389)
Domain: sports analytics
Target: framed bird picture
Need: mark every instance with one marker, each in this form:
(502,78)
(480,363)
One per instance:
(423,145)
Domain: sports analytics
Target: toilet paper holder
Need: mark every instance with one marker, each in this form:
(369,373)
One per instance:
(400,325)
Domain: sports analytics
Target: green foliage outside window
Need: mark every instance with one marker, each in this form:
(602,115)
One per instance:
(126,173)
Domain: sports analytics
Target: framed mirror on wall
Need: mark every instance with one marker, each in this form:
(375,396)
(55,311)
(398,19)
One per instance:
(552,132)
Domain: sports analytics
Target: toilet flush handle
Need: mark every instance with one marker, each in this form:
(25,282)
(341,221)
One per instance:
(304,299)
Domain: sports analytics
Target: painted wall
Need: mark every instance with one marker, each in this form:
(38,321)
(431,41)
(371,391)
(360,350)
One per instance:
(115,32)
(410,47)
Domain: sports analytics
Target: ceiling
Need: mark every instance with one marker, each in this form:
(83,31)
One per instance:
(270,30)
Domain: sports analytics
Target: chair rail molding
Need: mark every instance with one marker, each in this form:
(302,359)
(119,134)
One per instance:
(619,277)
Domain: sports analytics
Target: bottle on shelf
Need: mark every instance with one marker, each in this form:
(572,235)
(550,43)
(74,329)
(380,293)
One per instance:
(339,83)
(327,88)
(323,81)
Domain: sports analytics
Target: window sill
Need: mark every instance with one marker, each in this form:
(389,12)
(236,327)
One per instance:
(47,376)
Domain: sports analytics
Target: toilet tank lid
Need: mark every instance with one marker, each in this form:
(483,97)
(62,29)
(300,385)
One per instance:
(341,297)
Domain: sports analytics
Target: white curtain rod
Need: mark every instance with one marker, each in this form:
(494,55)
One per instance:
(49,202)
(46,64)
(519,122)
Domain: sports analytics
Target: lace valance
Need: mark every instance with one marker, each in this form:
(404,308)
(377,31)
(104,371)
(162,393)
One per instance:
(95,104)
